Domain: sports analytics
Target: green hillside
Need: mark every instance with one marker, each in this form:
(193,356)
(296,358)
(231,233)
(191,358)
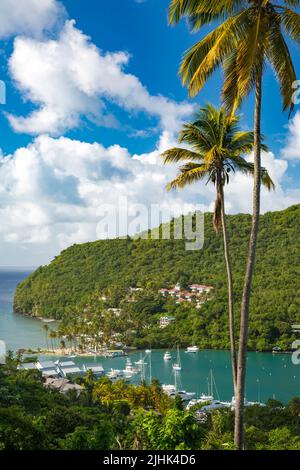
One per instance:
(82,273)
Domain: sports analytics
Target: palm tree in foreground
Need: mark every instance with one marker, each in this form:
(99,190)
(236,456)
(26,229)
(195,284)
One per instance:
(251,34)
(216,148)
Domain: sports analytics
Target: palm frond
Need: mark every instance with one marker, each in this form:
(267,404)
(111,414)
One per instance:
(202,12)
(247,168)
(194,135)
(291,22)
(250,53)
(203,58)
(292,3)
(188,175)
(281,61)
(177,154)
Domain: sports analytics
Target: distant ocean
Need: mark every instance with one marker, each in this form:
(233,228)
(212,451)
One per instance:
(16,330)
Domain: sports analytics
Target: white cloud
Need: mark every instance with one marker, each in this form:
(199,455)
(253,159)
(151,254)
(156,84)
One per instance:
(51,192)
(238,193)
(70,78)
(30,17)
(291,150)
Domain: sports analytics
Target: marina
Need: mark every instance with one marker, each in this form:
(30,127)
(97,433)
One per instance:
(269,375)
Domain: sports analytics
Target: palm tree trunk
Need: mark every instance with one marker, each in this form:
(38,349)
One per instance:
(242,356)
(230,293)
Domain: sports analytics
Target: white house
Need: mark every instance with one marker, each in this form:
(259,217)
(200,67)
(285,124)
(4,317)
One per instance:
(165,321)
(97,369)
(200,288)
(115,311)
(47,368)
(68,368)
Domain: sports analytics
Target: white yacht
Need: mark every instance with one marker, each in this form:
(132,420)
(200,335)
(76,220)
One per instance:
(167,356)
(114,374)
(246,403)
(140,362)
(172,392)
(192,349)
(148,351)
(177,365)
(129,370)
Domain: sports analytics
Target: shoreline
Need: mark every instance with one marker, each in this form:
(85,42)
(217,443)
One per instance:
(109,353)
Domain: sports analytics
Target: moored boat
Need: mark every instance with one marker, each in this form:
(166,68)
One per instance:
(167,356)
(177,365)
(192,349)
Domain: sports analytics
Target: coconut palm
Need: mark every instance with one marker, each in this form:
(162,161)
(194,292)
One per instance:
(46,329)
(216,149)
(250,35)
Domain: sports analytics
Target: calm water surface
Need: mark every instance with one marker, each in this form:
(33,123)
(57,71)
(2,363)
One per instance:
(268,375)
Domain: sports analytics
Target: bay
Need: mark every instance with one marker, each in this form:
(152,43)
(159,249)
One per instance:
(269,375)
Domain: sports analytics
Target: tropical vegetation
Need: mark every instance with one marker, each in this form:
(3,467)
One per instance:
(248,36)
(120,416)
(72,286)
(216,149)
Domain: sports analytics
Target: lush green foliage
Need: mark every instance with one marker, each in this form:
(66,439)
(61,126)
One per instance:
(81,274)
(122,416)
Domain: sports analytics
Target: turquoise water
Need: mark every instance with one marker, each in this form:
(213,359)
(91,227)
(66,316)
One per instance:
(16,330)
(268,375)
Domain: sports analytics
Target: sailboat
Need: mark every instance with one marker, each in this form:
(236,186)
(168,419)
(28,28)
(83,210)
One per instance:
(173,390)
(192,349)
(167,356)
(141,361)
(129,370)
(177,365)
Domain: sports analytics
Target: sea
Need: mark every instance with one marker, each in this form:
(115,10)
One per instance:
(268,375)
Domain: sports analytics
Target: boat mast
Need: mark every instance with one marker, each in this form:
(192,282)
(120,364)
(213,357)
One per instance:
(178,356)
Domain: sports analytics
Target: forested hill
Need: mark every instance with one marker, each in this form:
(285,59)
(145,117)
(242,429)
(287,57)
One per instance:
(86,270)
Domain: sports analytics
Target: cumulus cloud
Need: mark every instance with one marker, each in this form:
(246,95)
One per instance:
(70,78)
(291,151)
(52,191)
(30,17)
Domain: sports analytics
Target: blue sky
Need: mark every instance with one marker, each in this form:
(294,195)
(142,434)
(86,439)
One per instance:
(93,96)
(141,29)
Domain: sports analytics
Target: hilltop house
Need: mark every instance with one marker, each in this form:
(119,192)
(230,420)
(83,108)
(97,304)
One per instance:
(165,321)
(200,289)
(194,293)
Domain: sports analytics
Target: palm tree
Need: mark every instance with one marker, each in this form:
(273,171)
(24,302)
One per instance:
(46,329)
(250,35)
(216,146)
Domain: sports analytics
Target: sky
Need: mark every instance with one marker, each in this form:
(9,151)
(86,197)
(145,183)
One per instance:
(93,98)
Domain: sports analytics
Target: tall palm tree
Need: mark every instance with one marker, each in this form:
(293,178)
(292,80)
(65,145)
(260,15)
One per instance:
(216,148)
(250,34)
(46,329)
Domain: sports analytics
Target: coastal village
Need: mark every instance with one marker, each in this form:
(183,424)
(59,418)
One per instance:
(58,374)
(197,293)
(90,340)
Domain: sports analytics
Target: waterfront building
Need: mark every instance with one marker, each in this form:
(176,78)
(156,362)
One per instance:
(97,369)
(63,386)
(68,368)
